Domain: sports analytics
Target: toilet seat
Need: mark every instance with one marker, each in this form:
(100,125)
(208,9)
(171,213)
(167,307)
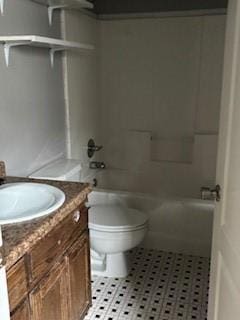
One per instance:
(116,219)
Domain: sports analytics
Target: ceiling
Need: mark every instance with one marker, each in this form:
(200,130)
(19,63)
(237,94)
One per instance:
(138,6)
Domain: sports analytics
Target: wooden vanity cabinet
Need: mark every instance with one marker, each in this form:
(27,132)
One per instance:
(55,278)
(22,312)
(64,294)
(55,244)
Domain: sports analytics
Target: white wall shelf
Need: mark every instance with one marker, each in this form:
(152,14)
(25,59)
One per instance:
(57,4)
(63,4)
(52,44)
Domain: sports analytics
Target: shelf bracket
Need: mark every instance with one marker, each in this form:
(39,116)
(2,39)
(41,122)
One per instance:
(52,54)
(51,10)
(8,46)
(2,6)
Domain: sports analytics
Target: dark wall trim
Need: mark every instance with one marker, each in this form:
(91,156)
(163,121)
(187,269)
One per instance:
(140,6)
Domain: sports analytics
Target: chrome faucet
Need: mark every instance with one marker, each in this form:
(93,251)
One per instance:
(211,194)
(97,165)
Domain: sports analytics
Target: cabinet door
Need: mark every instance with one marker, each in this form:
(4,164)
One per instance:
(50,300)
(80,284)
(22,313)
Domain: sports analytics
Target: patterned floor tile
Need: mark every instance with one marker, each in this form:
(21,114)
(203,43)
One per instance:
(160,286)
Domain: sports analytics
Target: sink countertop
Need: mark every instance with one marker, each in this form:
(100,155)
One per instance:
(21,237)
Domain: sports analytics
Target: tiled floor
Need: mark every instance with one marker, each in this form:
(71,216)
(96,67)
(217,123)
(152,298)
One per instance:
(161,286)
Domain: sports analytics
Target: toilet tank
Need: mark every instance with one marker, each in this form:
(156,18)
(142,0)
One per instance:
(61,169)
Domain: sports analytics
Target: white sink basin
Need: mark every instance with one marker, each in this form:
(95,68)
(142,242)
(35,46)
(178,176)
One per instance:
(26,201)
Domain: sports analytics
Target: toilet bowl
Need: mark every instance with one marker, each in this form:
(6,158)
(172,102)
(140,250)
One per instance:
(114,230)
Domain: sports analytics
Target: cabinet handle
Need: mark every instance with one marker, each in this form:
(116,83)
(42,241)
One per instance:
(59,242)
(76,216)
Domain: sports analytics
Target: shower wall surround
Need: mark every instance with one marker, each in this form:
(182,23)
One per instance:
(160,85)
(150,93)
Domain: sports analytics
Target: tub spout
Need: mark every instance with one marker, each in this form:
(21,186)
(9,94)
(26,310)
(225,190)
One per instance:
(97,165)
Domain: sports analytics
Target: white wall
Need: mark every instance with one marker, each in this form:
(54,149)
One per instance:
(81,92)
(32,128)
(160,84)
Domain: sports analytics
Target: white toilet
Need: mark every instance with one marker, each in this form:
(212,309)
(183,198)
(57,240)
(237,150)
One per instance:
(114,230)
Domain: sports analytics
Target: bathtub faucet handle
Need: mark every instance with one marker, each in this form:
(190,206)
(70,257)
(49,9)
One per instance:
(92,148)
(211,194)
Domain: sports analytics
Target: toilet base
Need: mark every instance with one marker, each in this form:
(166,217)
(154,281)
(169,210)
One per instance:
(110,265)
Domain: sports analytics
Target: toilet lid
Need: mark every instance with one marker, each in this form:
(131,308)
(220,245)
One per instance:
(115,218)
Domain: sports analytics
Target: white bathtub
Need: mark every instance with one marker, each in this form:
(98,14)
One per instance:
(175,224)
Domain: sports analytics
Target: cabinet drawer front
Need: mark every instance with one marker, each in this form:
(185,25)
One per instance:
(17,283)
(53,246)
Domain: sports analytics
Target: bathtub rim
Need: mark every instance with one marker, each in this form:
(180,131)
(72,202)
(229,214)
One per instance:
(182,199)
